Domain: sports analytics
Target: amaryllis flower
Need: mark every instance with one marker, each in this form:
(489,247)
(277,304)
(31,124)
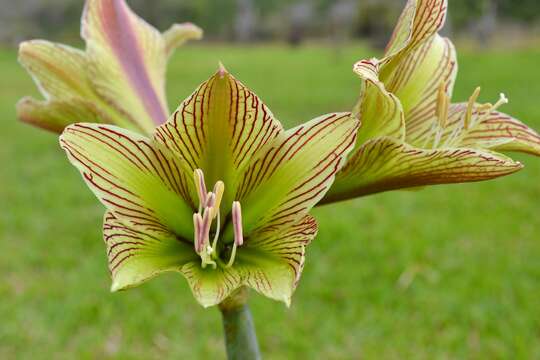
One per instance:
(220,193)
(119,78)
(411,134)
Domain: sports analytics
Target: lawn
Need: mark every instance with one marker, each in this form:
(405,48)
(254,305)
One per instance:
(449,272)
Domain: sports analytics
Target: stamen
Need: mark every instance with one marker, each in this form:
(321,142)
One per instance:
(197,222)
(238,231)
(210,200)
(443,103)
(205,227)
(233,256)
(219,189)
(237,223)
(486,109)
(198,177)
(470,107)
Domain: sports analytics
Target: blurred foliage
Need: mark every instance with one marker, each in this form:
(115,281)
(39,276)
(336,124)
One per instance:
(269,19)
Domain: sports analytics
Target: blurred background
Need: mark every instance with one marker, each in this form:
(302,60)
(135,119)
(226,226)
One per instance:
(449,272)
(285,20)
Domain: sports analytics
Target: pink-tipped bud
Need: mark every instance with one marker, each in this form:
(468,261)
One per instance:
(237,223)
(198,177)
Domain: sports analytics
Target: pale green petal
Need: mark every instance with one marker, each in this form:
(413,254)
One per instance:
(58,70)
(211,286)
(420,20)
(127,61)
(55,115)
(120,77)
(179,34)
(272,262)
(60,73)
(138,181)
(379,111)
(387,164)
(219,129)
(491,130)
(501,132)
(419,75)
(294,172)
(137,254)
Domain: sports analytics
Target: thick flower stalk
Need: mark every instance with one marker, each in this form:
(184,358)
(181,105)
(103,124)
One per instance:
(411,134)
(119,79)
(220,193)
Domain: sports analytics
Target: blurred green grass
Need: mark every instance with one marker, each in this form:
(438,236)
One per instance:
(466,256)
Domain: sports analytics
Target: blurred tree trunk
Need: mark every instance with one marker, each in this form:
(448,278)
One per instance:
(487,24)
(246,21)
(376,19)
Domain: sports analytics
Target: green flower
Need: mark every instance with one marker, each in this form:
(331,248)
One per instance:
(411,134)
(119,78)
(250,229)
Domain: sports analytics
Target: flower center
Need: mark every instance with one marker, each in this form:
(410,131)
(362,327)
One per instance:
(209,211)
(472,117)
(483,111)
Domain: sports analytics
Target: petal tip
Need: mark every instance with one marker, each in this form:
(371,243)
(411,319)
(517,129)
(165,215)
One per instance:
(222,71)
(116,287)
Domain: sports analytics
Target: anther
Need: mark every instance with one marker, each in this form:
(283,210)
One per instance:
(237,223)
(443,103)
(238,232)
(219,189)
(197,224)
(198,177)
(470,107)
(210,200)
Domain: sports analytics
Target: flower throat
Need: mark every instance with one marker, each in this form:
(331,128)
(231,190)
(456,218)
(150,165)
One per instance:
(208,212)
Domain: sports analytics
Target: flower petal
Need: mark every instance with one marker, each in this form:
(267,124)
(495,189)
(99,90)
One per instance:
(380,111)
(140,182)
(211,286)
(493,131)
(386,164)
(501,132)
(58,70)
(419,75)
(55,115)
(293,173)
(419,21)
(219,129)
(179,34)
(137,254)
(127,61)
(272,263)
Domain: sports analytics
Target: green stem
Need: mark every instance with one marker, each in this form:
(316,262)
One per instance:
(240,337)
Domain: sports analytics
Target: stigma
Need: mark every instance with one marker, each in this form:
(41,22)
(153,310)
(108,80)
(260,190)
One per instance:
(209,212)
